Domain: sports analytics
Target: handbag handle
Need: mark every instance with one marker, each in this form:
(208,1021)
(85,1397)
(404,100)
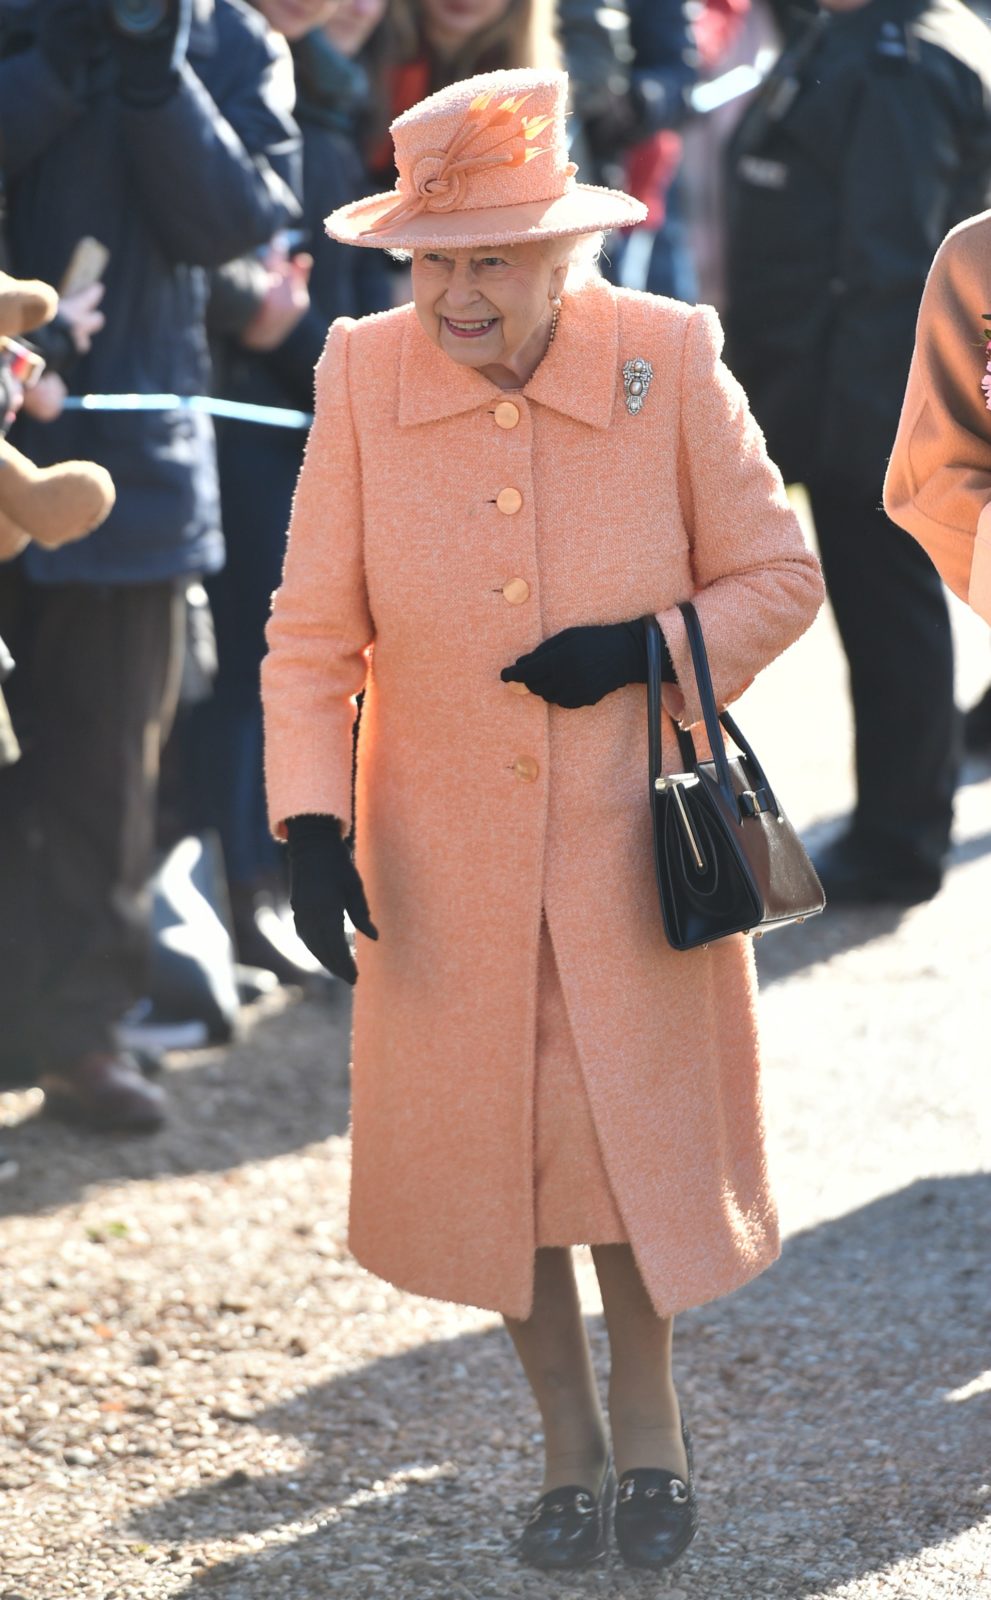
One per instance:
(655,664)
(714,721)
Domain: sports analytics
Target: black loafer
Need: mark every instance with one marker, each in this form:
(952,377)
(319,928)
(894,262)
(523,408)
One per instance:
(853,872)
(656,1514)
(568,1527)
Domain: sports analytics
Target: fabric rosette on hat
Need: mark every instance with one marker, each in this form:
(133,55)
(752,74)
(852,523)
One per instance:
(485,162)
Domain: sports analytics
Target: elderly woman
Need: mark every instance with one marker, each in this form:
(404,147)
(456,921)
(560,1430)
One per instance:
(492,499)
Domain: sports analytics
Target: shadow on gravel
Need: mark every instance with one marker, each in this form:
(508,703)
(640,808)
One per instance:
(792,950)
(782,954)
(976,769)
(835,1434)
(971,850)
(277,1089)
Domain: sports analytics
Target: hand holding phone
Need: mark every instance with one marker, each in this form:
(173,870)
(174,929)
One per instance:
(80,313)
(87,265)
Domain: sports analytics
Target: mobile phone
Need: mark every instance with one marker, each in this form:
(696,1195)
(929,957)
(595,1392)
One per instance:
(87,265)
(22,362)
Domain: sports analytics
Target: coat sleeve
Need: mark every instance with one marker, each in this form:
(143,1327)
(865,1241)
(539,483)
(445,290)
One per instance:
(237,289)
(35,110)
(321,629)
(216,166)
(757,585)
(665,62)
(294,360)
(938,484)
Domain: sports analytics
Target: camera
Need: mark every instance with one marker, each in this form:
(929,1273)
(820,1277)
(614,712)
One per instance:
(136,19)
(132,19)
(159,24)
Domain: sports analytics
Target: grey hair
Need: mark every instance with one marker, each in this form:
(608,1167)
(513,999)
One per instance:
(581,252)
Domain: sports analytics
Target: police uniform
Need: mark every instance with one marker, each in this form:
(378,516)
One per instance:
(870,139)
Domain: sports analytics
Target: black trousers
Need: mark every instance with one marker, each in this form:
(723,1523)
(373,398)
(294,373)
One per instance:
(92,694)
(894,623)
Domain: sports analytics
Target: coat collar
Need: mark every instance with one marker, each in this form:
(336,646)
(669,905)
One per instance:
(577,376)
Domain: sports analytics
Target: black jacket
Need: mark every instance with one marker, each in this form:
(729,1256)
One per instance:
(871,138)
(347,281)
(170,190)
(630,72)
(259,465)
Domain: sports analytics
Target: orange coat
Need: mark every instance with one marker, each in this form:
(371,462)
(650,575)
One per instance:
(938,484)
(478,807)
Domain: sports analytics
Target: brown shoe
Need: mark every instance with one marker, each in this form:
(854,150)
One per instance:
(104,1091)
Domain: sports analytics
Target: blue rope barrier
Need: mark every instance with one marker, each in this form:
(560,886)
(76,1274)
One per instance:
(210,405)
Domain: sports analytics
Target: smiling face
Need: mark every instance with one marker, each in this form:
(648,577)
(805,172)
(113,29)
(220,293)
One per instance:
(490,307)
(449,24)
(352,23)
(294,18)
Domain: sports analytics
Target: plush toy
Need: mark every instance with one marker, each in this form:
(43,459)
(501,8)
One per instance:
(12,539)
(51,505)
(25,304)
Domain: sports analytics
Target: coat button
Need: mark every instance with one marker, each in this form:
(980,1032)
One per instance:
(518,688)
(526,768)
(506,414)
(509,501)
(516,591)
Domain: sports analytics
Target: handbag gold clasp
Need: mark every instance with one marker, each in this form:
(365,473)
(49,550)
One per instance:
(686,823)
(675,781)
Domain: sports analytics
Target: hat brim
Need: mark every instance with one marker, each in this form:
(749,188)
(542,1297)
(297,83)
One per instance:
(584,209)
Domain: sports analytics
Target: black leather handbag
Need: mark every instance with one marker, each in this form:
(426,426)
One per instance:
(727,858)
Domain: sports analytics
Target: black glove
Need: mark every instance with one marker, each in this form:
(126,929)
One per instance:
(148,75)
(581,665)
(324,883)
(71,35)
(55,343)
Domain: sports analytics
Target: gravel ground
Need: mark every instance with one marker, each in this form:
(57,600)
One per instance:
(202,1392)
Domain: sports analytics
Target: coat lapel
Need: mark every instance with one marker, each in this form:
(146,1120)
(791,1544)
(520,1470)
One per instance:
(578,375)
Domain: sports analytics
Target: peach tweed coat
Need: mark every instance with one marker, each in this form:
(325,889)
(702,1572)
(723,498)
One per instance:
(413,573)
(938,484)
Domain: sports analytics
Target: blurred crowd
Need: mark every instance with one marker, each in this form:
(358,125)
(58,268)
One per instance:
(166,166)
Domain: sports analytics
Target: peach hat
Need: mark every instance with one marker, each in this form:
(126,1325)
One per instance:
(484,161)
